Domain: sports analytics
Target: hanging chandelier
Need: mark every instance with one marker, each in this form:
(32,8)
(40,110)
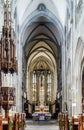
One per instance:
(8,62)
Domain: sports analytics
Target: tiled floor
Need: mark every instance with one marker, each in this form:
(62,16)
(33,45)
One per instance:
(41,126)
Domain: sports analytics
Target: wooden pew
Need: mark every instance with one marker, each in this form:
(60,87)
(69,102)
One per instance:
(5,124)
(81,122)
(61,119)
(19,122)
(23,120)
(75,123)
(13,123)
(0,122)
(66,122)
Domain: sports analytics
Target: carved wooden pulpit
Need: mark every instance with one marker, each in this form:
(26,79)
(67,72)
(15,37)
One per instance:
(8,98)
(8,62)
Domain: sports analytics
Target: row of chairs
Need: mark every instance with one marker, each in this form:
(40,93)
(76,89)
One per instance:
(72,123)
(13,123)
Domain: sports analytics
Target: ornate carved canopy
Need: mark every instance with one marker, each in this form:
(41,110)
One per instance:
(8,62)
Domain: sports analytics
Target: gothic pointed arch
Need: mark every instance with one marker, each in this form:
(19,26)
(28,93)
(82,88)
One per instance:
(78,73)
(41,37)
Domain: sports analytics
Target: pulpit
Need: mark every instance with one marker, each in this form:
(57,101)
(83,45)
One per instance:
(8,98)
(8,62)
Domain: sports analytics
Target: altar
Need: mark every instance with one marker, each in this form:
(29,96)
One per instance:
(41,113)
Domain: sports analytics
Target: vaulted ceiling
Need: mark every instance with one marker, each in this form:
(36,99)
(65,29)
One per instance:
(28,6)
(42,34)
(54,5)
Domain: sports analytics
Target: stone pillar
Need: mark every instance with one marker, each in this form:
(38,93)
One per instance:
(64,89)
(19,86)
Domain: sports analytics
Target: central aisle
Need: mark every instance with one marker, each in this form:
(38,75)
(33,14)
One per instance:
(42,127)
(51,125)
